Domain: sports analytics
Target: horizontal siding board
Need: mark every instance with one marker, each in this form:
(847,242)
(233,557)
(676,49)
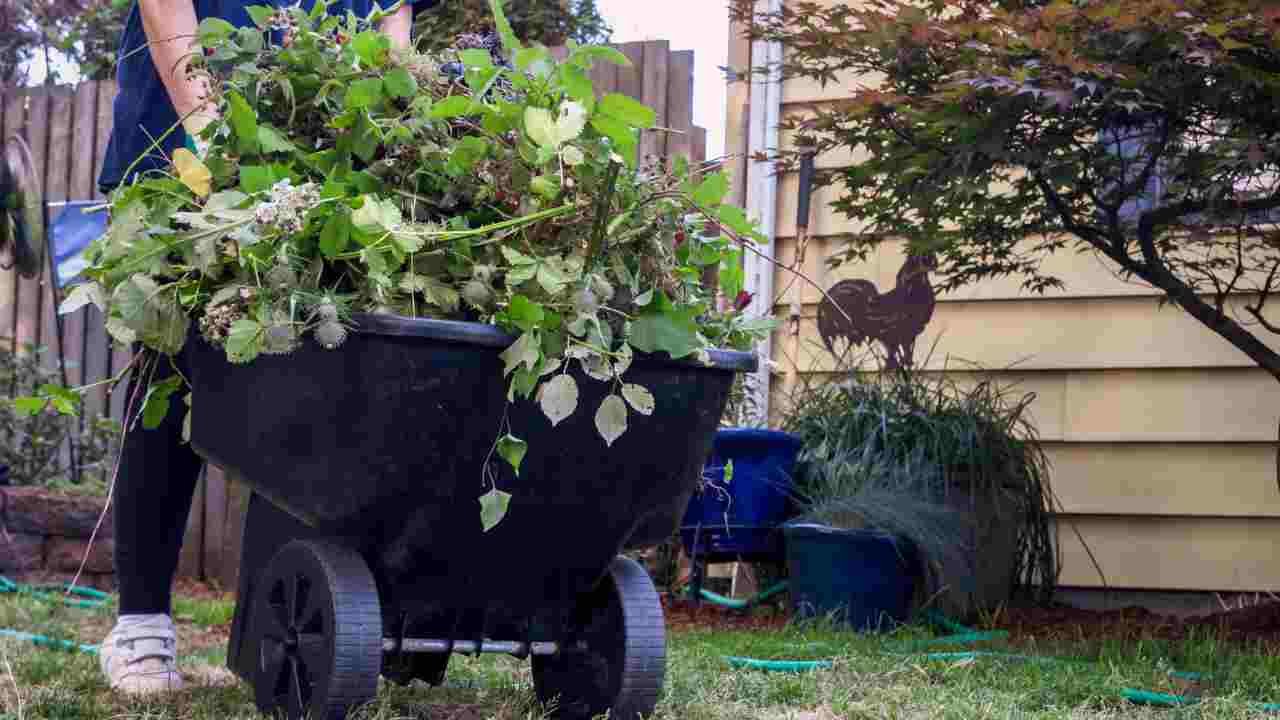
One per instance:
(1223,554)
(1064,334)
(1165,479)
(1084,275)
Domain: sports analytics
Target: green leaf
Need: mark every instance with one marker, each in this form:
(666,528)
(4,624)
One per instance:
(29,406)
(261,15)
(476,58)
(376,216)
(244,342)
(451,107)
(364,139)
(735,218)
(364,93)
(639,398)
(628,110)
(559,398)
(666,329)
(493,504)
(611,419)
(257,178)
(577,84)
(399,83)
(273,142)
(535,59)
(524,313)
(587,54)
(156,405)
(372,47)
(525,351)
(712,190)
(512,449)
(552,131)
(540,126)
(336,234)
(244,123)
(213,30)
(151,313)
(624,138)
(509,40)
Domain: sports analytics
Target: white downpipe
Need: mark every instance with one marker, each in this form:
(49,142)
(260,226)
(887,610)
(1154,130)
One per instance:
(762,192)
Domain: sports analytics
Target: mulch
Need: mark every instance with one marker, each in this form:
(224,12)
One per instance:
(1257,625)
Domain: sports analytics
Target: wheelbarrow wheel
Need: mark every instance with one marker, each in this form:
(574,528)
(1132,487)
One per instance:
(318,623)
(619,660)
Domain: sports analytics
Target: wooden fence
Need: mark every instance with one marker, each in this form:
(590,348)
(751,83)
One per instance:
(68,127)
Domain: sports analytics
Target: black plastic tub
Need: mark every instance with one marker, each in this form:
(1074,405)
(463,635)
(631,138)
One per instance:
(380,447)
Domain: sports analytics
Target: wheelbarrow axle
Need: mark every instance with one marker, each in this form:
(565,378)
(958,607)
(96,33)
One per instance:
(469,647)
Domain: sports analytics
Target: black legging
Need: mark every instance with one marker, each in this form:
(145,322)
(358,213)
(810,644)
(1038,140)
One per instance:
(158,475)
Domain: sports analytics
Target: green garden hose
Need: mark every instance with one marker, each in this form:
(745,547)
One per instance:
(70,595)
(743,604)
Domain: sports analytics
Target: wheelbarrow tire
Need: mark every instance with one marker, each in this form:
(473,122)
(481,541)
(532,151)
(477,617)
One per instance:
(621,664)
(318,625)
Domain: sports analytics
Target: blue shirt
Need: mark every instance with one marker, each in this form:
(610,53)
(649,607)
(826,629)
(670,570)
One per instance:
(143,111)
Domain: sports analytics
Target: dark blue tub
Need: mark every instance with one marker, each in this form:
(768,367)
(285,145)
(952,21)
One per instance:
(861,578)
(740,519)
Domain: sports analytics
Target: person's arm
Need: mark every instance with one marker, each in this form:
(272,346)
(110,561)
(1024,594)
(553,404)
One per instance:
(399,25)
(170,27)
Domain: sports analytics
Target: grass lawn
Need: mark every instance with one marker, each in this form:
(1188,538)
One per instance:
(866,680)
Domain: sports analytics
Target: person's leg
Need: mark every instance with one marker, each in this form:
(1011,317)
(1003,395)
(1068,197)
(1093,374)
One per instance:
(153,492)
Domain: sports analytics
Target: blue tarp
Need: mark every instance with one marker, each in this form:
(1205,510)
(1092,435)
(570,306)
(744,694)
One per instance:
(70,235)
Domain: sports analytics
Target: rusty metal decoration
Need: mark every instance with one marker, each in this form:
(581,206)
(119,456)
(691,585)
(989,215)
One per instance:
(895,318)
(21,234)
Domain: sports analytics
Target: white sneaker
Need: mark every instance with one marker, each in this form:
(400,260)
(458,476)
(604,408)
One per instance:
(140,655)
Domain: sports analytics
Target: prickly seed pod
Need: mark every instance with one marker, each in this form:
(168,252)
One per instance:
(477,294)
(602,287)
(586,302)
(327,311)
(282,276)
(330,334)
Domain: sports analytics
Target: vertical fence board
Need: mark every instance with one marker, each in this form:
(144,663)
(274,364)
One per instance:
(629,81)
(11,120)
(60,108)
(680,104)
(657,55)
(215,521)
(28,301)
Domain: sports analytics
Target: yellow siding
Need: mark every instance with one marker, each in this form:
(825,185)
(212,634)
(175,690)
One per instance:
(1161,436)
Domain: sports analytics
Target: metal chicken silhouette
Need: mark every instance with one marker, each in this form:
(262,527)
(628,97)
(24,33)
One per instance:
(895,318)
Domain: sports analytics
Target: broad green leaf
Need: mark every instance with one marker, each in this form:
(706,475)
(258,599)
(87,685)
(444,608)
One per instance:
(611,419)
(591,53)
(712,190)
(151,313)
(192,172)
(81,295)
(735,218)
(639,398)
(553,278)
(244,122)
(524,313)
(29,406)
(572,156)
(525,351)
(156,405)
(476,58)
(256,178)
(540,126)
(493,504)
(376,216)
(645,298)
(274,142)
(624,138)
(372,47)
(364,93)
(336,234)
(512,449)
(451,107)
(515,257)
(399,83)
(244,342)
(261,15)
(666,329)
(628,110)
(559,398)
(577,84)
(224,200)
(213,30)
(536,60)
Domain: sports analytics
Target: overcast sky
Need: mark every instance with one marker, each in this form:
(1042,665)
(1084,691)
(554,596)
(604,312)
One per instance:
(698,25)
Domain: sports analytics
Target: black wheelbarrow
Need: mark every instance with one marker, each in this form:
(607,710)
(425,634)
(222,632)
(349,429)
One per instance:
(364,553)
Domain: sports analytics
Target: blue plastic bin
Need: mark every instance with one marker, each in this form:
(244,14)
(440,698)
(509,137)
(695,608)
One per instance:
(740,519)
(862,578)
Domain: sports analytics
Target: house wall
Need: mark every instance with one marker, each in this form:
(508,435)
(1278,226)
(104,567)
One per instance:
(1161,435)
